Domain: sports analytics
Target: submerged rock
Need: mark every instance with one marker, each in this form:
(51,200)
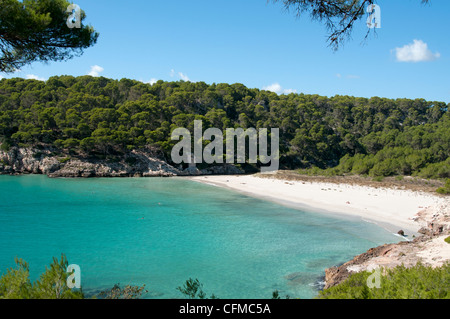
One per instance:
(302,278)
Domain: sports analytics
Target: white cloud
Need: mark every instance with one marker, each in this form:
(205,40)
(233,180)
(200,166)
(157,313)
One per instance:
(289,91)
(95,70)
(338,75)
(416,52)
(34,77)
(152,81)
(183,76)
(277,88)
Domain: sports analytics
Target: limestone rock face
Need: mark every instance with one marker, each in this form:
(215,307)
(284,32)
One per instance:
(433,229)
(137,163)
(336,275)
(429,248)
(28,161)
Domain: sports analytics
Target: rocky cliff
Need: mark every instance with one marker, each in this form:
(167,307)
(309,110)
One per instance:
(429,248)
(138,163)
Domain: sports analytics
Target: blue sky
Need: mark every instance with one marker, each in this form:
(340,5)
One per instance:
(259,44)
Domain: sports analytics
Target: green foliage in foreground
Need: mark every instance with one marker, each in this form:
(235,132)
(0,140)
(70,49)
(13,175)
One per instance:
(276,295)
(447,240)
(446,189)
(52,284)
(418,282)
(193,289)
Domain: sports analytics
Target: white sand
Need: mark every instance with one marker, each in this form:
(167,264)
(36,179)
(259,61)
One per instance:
(436,252)
(389,208)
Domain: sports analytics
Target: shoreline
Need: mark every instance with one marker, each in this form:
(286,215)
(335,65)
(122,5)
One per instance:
(423,217)
(391,209)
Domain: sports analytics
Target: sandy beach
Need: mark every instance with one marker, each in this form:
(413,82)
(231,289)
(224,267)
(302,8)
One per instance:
(423,217)
(390,208)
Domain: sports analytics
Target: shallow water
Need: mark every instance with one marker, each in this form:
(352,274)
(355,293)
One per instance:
(162,231)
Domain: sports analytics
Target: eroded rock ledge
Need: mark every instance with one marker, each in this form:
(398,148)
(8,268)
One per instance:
(429,248)
(137,163)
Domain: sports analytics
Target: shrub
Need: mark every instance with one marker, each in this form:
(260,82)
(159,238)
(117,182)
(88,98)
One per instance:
(64,160)
(418,282)
(52,284)
(446,189)
(193,289)
(5,146)
(38,155)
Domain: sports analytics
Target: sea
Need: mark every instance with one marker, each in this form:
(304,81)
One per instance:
(161,232)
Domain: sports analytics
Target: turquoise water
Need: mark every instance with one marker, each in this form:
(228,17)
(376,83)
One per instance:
(162,231)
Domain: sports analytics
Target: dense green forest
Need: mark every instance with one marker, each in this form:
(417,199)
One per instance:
(97,116)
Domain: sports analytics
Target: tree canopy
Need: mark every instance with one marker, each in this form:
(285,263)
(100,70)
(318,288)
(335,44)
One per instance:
(339,16)
(38,30)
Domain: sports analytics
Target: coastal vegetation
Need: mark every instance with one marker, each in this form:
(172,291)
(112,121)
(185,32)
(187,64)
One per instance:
(445,190)
(193,289)
(418,282)
(100,117)
(52,284)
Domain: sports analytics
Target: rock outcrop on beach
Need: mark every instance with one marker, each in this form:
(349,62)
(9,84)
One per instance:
(429,248)
(137,163)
